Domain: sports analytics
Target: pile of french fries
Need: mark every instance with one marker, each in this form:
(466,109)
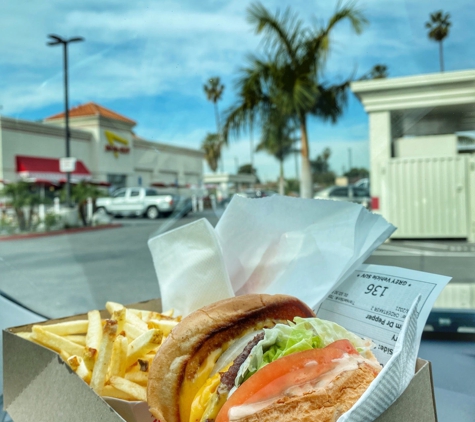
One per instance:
(111,355)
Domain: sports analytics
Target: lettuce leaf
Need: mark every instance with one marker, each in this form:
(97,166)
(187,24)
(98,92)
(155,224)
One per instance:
(300,335)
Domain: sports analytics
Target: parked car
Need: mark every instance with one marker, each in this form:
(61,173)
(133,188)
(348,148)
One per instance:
(351,193)
(139,201)
(256,193)
(362,183)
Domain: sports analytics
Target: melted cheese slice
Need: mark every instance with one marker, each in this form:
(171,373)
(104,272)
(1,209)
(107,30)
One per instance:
(203,397)
(190,388)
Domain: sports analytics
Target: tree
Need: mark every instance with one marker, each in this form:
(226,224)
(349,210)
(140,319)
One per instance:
(438,27)
(80,193)
(378,71)
(248,169)
(214,91)
(21,195)
(357,173)
(321,171)
(277,140)
(211,146)
(288,76)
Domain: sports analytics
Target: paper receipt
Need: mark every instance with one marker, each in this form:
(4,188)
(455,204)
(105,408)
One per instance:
(374,301)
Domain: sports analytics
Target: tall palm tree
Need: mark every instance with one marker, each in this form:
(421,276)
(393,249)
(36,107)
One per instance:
(214,91)
(211,145)
(277,140)
(288,76)
(438,27)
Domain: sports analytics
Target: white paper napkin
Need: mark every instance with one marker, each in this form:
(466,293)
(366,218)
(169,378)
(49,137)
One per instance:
(190,267)
(300,247)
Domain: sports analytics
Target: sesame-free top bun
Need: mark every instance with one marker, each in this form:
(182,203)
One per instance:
(207,330)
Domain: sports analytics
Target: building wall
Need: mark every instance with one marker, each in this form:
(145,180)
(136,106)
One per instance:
(168,164)
(145,161)
(426,146)
(33,139)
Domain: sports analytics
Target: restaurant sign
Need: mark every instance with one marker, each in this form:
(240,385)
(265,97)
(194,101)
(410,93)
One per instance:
(112,141)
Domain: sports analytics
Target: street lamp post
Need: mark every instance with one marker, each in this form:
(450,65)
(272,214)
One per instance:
(56,40)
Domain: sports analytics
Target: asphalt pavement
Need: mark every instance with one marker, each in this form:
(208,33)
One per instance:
(73,273)
(68,274)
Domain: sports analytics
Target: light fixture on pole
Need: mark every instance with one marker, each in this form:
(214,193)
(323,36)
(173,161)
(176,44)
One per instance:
(57,40)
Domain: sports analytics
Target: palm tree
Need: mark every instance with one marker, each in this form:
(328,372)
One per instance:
(80,193)
(211,145)
(277,140)
(214,91)
(378,71)
(22,195)
(438,27)
(289,76)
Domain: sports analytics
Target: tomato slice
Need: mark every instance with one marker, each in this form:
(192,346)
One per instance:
(276,377)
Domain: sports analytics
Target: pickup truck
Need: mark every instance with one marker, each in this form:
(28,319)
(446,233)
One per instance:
(140,201)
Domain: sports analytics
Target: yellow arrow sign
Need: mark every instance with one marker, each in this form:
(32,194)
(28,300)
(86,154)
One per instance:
(111,138)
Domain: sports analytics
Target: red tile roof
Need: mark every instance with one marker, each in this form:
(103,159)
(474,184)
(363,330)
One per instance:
(92,109)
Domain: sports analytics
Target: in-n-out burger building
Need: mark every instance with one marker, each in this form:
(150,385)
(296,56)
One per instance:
(105,146)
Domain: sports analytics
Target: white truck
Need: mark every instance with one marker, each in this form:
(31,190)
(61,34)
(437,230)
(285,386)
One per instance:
(140,201)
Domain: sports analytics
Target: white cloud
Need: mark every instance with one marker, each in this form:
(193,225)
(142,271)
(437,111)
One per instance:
(150,48)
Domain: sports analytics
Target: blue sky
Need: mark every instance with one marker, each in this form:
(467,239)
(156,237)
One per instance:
(149,59)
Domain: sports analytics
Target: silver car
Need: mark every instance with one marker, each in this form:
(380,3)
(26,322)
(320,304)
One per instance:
(350,193)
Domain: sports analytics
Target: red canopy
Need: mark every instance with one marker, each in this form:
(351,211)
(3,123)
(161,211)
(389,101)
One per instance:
(47,169)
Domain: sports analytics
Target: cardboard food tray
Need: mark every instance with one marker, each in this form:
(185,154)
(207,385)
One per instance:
(39,386)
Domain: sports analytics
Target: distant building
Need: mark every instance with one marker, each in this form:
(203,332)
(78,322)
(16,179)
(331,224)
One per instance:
(422,146)
(106,148)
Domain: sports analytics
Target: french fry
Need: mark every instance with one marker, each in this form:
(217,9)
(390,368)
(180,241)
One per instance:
(113,356)
(165,325)
(64,355)
(94,330)
(148,341)
(138,377)
(132,331)
(119,357)
(170,312)
(147,315)
(138,392)
(119,316)
(76,338)
(89,358)
(114,306)
(133,319)
(67,328)
(55,342)
(77,365)
(110,391)
(99,372)
(24,334)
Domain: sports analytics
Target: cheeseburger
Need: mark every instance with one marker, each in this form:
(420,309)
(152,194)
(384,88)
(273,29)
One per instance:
(258,358)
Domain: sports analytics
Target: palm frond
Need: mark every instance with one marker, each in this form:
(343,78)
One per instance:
(282,31)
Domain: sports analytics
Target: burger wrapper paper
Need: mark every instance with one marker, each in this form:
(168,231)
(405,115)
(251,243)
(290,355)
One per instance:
(265,245)
(190,267)
(304,248)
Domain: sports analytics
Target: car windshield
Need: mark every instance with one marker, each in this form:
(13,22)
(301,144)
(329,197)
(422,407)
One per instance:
(156,130)
(162,111)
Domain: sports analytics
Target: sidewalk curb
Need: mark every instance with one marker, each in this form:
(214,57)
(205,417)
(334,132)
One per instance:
(58,232)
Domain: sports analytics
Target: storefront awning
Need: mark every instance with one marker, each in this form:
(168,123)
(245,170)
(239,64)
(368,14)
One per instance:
(47,169)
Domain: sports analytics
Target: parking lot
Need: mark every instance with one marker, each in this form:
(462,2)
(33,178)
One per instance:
(76,272)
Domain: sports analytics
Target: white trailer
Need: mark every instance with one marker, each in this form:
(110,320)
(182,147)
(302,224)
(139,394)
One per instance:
(422,152)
